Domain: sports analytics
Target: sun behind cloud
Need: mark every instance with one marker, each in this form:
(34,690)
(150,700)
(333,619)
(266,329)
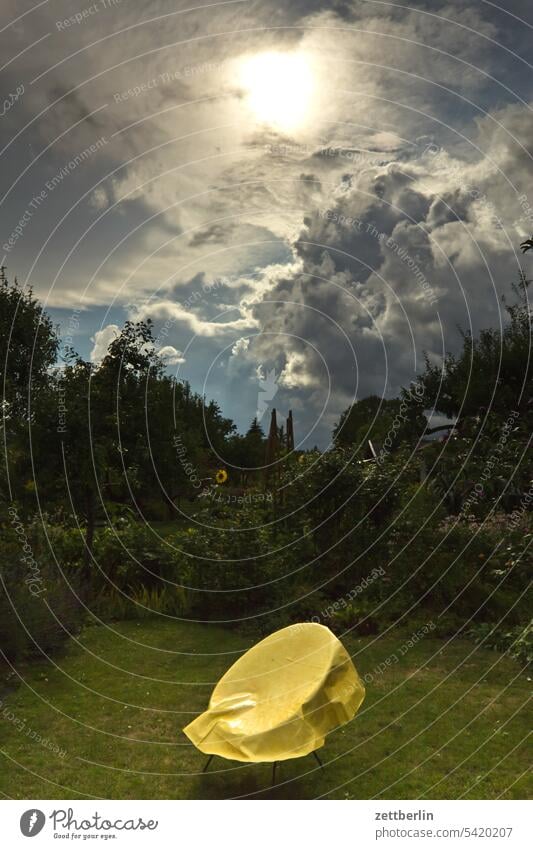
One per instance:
(279,88)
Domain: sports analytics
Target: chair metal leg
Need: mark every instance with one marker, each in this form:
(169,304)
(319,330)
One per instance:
(274,766)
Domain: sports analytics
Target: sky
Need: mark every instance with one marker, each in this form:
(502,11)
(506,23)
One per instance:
(306,197)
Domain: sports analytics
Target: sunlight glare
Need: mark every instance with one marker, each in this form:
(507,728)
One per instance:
(279,87)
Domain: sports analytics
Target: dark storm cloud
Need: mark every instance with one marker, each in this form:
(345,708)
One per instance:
(351,223)
(387,243)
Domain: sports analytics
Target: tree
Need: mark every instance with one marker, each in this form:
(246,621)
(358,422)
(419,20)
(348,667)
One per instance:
(28,347)
(254,445)
(98,451)
(493,373)
(247,453)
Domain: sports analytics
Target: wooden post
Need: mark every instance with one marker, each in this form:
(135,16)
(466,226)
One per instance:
(272,446)
(290,432)
(272,457)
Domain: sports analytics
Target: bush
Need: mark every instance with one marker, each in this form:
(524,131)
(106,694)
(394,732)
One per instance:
(359,616)
(168,601)
(517,641)
(131,556)
(233,576)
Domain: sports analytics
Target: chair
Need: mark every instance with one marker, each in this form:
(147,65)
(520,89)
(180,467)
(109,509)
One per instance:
(280,699)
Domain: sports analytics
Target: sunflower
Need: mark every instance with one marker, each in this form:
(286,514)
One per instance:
(221,476)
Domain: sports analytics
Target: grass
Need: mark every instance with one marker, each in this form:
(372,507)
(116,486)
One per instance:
(445,721)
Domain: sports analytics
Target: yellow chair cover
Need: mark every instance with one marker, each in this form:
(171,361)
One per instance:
(280,699)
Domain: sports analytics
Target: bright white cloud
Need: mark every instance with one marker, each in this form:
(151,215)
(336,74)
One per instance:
(171,355)
(241,345)
(200,327)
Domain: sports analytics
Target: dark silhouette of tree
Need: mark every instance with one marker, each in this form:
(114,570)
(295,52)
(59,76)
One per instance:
(246,453)
(493,373)
(254,445)
(374,419)
(28,347)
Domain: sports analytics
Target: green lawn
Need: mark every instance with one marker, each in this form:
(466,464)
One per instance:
(445,721)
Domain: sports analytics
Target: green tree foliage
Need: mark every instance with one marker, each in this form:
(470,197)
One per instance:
(493,372)
(90,435)
(375,419)
(246,454)
(28,348)
(118,432)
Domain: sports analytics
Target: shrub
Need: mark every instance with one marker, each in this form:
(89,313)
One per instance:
(233,576)
(141,604)
(517,641)
(38,608)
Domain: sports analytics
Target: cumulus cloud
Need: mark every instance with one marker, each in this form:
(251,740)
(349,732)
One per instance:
(171,355)
(227,324)
(240,346)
